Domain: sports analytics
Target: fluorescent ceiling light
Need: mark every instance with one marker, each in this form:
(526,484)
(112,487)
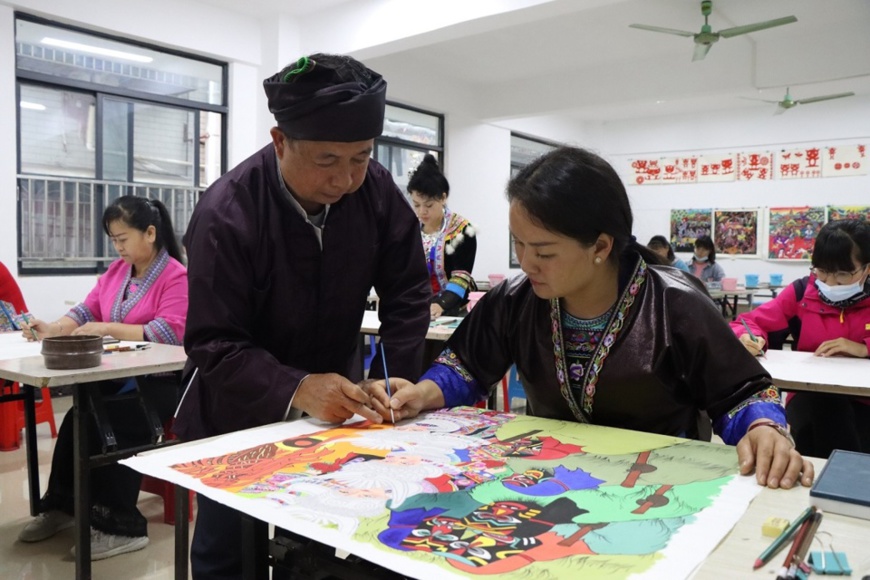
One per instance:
(95,49)
(34,106)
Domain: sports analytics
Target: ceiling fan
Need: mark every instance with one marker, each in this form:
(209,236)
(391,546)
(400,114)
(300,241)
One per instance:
(788,103)
(706,38)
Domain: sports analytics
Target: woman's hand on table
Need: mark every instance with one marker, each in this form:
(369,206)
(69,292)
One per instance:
(756,347)
(435,311)
(842,346)
(773,457)
(92,328)
(408,398)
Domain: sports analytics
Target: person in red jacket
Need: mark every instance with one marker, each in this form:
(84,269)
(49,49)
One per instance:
(834,317)
(10,293)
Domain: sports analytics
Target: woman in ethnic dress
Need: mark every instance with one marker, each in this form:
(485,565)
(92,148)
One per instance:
(448,240)
(141,297)
(602,334)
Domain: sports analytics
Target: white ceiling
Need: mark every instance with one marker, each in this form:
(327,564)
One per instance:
(579,58)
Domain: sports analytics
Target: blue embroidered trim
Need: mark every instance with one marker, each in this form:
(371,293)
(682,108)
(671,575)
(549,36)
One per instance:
(732,428)
(457,391)
(158,330)
(81,314)
(456,289)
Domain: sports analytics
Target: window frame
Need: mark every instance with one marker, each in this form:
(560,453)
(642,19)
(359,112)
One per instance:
(99,92)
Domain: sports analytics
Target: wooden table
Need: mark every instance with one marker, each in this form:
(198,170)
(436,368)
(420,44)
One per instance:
(31,373)
(371,325)
(801,371)
(731,558)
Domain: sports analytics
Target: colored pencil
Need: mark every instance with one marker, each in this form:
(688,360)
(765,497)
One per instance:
(781,540)
(387,381)
(787,565)
(751,334)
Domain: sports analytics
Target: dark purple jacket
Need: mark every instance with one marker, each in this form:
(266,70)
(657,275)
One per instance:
(268,306)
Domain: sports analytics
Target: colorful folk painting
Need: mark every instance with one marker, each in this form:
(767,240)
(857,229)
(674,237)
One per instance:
(854,212)
(793,232)
(736,232)
(687,225)
(468,492)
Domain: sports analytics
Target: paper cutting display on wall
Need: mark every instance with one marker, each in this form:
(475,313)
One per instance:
(793,232)
(808,162)
(687,225)
(844,160)
(735,232)
(468,492)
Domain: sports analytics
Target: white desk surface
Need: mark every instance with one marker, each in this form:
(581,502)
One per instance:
(733,558)
(26,364)
(801,371)
(371,325)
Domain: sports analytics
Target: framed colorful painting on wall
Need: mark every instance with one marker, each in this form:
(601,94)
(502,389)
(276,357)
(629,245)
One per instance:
(735,232)
(687,225)
(793,231)
(851,212)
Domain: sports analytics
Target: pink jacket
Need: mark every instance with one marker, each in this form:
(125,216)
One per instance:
(819,322)
(159,302)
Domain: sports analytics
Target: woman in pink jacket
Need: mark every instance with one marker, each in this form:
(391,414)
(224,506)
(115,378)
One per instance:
(142,296)
(834,320)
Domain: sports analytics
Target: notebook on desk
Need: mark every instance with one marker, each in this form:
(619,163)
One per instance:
(843,486)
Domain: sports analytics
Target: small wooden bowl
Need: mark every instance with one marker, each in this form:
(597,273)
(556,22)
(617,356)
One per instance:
(72,352)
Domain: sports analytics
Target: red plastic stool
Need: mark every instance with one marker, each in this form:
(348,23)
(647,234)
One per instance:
(165,489)
(10,434)
(44,412)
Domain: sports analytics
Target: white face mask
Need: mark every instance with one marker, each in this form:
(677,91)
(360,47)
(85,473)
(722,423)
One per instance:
(699,258)
(839,293)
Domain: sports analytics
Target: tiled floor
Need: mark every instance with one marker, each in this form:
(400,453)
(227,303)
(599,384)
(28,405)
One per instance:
(51,559)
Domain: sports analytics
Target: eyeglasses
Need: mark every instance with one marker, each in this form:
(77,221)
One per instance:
(842,277)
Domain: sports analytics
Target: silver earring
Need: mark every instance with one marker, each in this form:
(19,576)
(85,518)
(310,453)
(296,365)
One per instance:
(597,259)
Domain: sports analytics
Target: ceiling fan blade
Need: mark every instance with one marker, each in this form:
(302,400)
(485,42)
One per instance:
(729,32)
(823,98)
(762,100)
(660,29)
(780,109)
(701,51)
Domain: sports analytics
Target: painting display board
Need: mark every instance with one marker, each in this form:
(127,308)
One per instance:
(735,232)
(793,232)
(687,225)
(467,492)
(844,212)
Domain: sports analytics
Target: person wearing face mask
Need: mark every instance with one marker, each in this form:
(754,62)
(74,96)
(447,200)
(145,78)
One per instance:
(704,264)
(834,315)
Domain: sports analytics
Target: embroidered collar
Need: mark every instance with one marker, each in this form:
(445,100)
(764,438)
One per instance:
(582,409)
(122,306)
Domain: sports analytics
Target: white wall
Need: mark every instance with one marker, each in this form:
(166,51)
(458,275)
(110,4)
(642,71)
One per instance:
(826,124)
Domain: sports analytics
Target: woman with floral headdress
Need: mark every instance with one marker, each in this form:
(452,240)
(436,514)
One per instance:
(448,239)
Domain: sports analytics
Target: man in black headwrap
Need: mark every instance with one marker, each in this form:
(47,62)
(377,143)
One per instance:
(283,251)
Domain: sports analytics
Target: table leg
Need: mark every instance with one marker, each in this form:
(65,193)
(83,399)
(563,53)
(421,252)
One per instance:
(255,547)
(32,452)
(734,308)
(81,463)
(182,532)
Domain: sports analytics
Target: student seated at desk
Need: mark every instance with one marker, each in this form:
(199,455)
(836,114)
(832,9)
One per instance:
(602,334)
(661,246)
(704,265)
(142,296)
(832,318)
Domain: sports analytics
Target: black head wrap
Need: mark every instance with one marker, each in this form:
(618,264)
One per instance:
(327,98)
